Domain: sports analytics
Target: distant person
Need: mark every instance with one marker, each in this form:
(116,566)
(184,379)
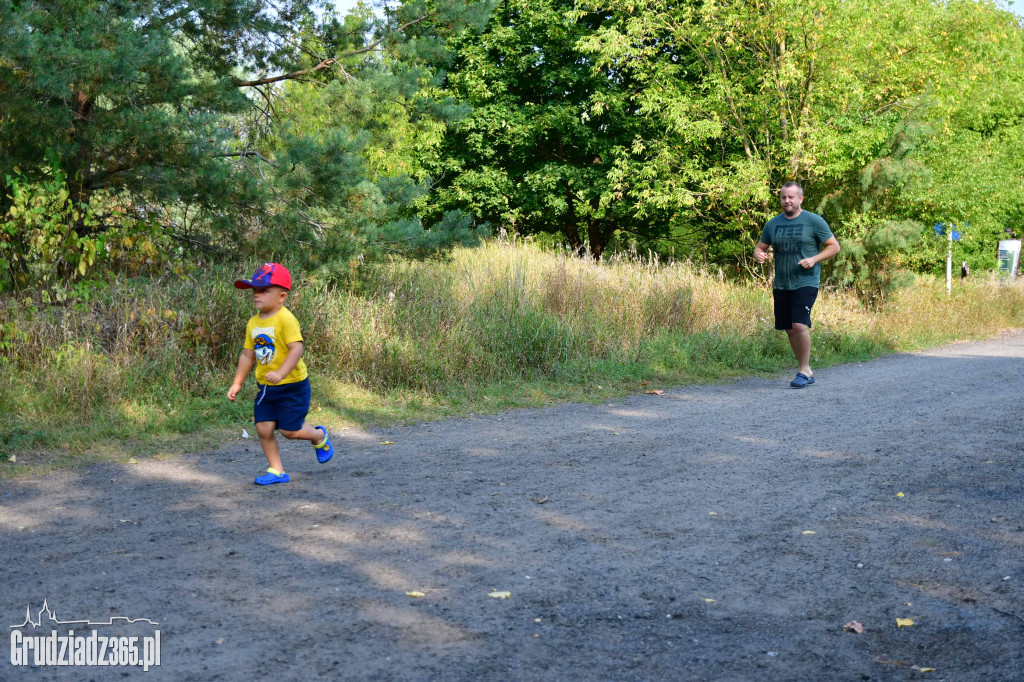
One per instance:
(965,270)
(800,240)
(273,344)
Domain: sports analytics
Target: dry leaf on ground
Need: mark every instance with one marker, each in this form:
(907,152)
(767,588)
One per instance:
(500,595)
(415,593)
(853,626)
(655,392)
(904,622)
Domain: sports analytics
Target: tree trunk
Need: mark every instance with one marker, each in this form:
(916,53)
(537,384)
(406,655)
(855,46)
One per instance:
(569,223)
(79,166)
(599,235)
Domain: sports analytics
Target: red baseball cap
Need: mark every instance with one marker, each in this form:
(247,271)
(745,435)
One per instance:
(268,274)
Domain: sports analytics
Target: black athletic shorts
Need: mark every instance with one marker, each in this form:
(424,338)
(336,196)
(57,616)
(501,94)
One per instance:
(794,305)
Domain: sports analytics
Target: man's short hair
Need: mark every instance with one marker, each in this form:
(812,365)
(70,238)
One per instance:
(793,184)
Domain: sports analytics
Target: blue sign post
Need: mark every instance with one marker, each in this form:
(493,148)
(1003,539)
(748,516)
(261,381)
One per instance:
(954,236)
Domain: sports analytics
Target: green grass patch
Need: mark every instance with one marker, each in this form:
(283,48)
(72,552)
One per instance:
(140,367)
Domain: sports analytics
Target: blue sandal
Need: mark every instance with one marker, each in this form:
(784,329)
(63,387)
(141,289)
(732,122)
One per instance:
(801,380)
(325,450)
(271,477)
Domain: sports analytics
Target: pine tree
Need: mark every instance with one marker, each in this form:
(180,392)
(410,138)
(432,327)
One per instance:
(169,109)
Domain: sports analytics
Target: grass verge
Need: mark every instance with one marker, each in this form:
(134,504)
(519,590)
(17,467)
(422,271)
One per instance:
(139,367)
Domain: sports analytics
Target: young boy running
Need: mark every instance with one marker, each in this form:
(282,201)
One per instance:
(273,343)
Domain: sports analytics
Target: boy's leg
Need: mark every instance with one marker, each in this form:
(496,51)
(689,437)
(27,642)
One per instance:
(318,437)
(292,408)
(265,430)
(307,432)
(291,421)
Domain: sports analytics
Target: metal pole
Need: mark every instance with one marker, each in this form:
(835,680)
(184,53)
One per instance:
(949,263)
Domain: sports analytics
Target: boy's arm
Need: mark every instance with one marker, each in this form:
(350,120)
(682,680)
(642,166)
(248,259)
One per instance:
(245,362)
(295,350)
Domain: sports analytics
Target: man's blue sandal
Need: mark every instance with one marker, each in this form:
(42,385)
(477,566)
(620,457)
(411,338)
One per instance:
(801,380)
(325,450)
(272,477)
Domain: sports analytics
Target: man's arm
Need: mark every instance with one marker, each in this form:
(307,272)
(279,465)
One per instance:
(761,252)
(831,248)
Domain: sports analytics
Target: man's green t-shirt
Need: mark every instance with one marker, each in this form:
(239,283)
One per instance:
(793,240)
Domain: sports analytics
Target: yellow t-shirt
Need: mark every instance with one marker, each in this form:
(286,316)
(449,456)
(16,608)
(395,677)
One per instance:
(269,337)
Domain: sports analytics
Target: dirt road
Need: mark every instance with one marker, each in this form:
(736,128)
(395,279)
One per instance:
(721,532)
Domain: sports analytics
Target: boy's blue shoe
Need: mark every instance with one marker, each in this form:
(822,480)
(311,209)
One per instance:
(325,450)
(272,476)
(801,380)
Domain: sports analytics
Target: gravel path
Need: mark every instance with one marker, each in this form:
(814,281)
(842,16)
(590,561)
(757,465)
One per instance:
(723,532)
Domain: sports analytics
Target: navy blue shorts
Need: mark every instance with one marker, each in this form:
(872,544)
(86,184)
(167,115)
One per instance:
(286,404)
(794,305)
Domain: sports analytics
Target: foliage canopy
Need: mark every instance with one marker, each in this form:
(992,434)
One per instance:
(180,115)
(884,113)
(277,129)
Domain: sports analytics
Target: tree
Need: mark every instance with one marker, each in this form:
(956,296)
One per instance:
(541,150)
(859,102)
(126,96)
(169,109)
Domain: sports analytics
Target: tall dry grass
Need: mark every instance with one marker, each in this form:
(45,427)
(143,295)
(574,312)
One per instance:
(146,358)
